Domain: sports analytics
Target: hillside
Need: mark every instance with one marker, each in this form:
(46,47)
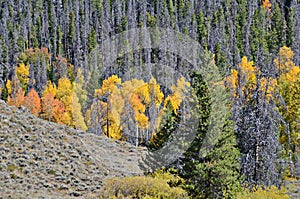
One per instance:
(216,79)
(40,158)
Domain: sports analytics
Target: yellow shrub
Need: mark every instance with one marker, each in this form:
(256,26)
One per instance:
(268,193)
(146,187)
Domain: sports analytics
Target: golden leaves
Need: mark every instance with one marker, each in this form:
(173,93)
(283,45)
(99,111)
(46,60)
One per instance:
(23,74)
(8,86)
(232,80)
(266,5)
(246,77)
(248,72)
(268,85)
(114,97)
(109,86)
(50,88)
(155,92)
(289,88)
(284,63)
(293,75)
(178,94)
(61,104)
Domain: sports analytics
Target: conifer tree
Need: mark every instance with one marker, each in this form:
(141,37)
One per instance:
(167,126)
(215,175)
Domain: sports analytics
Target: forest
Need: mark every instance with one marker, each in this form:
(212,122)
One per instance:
(89,64)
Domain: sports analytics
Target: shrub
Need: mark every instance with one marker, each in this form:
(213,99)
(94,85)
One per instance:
(157,186)
(267,193)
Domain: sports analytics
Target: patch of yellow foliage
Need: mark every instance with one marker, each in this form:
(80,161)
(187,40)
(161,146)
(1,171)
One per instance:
(268,193)
(284,63)
(109,86)
(8,86)
(246,77)
(116,97)
(178,94)
(50,88)
(23,74)
(266,4)
(159,185)
(289,88)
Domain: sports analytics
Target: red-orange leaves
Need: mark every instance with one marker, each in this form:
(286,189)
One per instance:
(47,103)
(53,109)
(17,100)
(58,111)
(33,102)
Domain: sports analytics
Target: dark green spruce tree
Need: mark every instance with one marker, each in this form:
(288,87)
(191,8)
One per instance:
(216,175)
(168,126)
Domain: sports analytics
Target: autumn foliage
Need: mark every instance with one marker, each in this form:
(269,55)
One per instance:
(244,80)
(132,100)
(33,102)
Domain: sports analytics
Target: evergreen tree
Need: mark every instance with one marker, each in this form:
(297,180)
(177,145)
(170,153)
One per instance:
(168,126)
(241,25)
(216,175)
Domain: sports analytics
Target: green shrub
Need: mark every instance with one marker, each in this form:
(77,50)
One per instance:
(11,168)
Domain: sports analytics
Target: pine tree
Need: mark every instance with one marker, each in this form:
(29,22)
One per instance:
(92,39)
(216,175)
(168,125)
(241,25)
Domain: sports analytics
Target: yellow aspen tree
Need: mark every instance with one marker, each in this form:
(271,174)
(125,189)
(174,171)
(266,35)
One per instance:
(289,88)
(109,86)
(65,94)
(15,91)
(284,63)
(58,112)
(117,103)
(244,78)
(266,4)
(128,87)
(268,85)
(155,92)
(48,97)
(248,73)
(50,88)
(8,86)
(139,115)
(177,95)
(78,88)
(78,120)
(72,115)
(112,107)
(47,106)
(232,81)
(22,73)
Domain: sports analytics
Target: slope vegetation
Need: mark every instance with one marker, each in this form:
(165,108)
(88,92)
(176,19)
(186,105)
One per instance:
(43,159)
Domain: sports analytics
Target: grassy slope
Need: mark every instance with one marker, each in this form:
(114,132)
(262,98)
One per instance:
(40,158)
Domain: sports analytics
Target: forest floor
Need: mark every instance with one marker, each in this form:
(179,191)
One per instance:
(293,188)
